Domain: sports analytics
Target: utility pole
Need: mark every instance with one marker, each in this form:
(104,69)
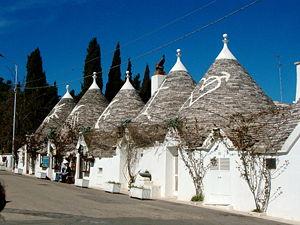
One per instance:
(279,65)
(14,117)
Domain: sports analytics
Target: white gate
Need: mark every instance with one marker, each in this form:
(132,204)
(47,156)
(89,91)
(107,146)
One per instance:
(219,183)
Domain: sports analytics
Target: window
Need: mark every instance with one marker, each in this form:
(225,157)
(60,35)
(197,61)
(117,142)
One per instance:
(100,171)
(271,163)
(221,164)
(224,164)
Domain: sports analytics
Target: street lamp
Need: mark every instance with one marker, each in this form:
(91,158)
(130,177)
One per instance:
(14,113)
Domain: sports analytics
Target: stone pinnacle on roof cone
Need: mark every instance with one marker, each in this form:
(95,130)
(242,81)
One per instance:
(67,94)
(225,53)
(178,65)
(226,89)
(57,116)
(94,84)
(127,85)
(124,107)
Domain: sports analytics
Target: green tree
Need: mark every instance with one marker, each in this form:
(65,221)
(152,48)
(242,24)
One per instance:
(129,67)
(6,109)
(35,74)
(145,91)
(136,82)
(39,98)
(92,64)
(114,82)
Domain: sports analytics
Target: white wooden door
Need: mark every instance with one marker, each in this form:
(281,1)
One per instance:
(219,179)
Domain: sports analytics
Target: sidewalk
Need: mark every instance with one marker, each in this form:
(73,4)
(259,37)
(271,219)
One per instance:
(229,209)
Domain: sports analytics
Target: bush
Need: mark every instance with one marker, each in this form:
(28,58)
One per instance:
(257,211)
(197,198)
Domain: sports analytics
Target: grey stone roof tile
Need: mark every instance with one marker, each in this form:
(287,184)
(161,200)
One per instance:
(56,118)
(225,89)
(125,106)
(149,125)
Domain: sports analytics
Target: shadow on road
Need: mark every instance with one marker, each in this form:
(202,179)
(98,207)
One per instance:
(61,218)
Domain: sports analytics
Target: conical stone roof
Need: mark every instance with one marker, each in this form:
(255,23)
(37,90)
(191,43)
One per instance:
(84,115)
(226,89)
(150,125)
(278,127)
(123,108)
(57,116)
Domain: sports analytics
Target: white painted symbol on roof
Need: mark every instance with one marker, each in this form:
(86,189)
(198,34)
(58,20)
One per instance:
(57,109)
(216,80)
(105,113)
(145,113)
(75,115)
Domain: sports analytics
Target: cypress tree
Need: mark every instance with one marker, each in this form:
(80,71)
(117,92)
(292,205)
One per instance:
(35,75)
(92,64)
(6,112)
(39,98)
(136,82)
(129,67)
(114,82)
(145,92)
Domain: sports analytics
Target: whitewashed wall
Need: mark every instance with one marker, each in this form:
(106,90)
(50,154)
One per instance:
(226,187)
(287,205)
(160,162)
(242,198)
(38,169)
(21,158)
(186,189)
(154,160)
(106,169)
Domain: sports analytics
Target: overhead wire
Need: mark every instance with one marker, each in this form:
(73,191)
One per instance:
(185,36)
(161,27)
(190,13)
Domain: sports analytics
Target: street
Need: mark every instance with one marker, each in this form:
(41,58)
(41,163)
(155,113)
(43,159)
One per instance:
(35,201)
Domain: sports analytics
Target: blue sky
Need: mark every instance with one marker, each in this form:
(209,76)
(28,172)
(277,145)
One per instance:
(62,30)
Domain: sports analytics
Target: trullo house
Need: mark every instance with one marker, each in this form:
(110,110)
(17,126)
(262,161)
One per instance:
(81,120)
(103,142)
(44,140)
(149,129)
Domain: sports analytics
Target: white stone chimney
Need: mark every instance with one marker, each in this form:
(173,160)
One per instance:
(156,81)
(298,81)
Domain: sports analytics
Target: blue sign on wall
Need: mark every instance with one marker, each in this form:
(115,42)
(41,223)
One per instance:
(45,161)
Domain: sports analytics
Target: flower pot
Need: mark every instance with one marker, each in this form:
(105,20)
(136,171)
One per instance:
(113,187)
(84,183)
(141,193)
(41,175)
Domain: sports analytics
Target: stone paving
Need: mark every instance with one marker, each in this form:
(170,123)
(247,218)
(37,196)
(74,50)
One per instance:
(35,201)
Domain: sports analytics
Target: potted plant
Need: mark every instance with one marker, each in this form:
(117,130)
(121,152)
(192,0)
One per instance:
(140,192)
(113,187)
(146,174)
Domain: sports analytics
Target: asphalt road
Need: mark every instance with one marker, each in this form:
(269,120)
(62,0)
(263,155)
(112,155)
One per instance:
(35,201)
